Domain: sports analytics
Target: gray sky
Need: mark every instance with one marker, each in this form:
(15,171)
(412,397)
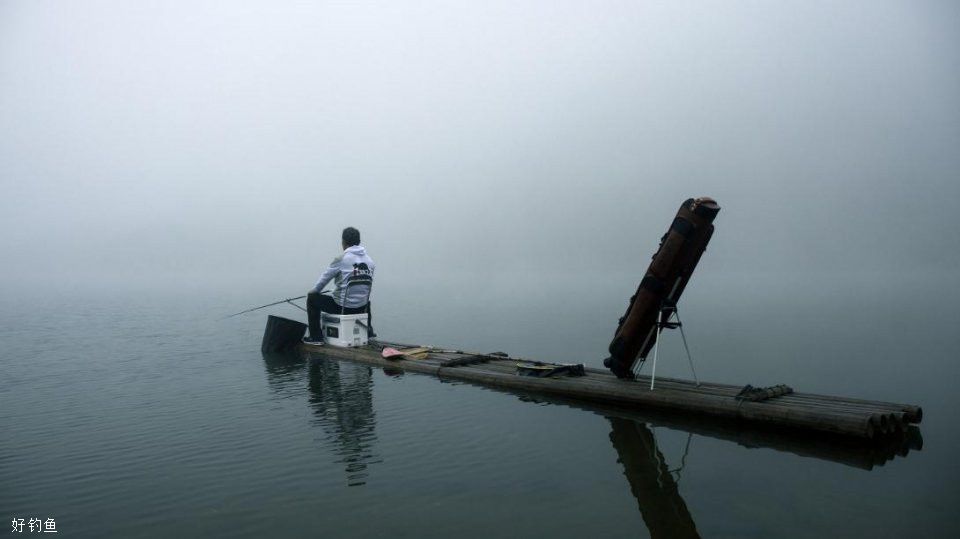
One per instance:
(191,142)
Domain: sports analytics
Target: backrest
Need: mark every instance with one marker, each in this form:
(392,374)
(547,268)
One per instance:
(354,283)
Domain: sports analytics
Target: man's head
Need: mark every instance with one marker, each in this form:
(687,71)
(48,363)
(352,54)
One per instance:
(351,237)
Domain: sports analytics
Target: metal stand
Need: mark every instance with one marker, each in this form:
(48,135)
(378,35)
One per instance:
(683,458)
(663,322)
(656,351)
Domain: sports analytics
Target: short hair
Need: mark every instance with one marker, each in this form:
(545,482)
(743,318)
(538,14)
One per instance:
(351,236)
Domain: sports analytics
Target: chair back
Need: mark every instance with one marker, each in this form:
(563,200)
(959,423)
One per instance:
(353,283)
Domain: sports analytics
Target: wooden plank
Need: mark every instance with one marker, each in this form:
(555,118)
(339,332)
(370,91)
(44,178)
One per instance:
(846,418)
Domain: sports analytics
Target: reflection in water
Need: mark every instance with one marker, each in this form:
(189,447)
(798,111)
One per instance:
(284,374)
(859,453)
(341,396)
(654,485)
(651,481)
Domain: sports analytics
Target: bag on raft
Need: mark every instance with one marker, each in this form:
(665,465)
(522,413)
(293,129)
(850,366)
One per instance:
(679,251)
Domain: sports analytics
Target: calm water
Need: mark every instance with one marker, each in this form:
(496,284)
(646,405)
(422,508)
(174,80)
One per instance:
(144,415)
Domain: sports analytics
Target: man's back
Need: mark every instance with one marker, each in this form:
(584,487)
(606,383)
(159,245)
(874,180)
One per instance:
(354,268)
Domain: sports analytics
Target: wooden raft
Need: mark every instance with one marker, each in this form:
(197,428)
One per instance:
(821,413)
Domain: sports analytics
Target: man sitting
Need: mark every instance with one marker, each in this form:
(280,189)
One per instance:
(353,268)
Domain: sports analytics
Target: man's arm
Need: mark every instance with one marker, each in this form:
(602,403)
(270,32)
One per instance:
(328,274)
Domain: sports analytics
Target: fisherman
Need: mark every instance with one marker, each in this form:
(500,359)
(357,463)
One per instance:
(353,268)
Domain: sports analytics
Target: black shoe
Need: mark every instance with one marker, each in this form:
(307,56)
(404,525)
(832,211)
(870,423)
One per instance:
(311,340)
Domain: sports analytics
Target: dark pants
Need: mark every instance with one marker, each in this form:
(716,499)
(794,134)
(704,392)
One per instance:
(321,303)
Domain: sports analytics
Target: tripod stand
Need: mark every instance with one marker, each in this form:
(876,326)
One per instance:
(668,311)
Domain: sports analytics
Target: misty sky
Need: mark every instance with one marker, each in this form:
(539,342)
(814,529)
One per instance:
(195,142)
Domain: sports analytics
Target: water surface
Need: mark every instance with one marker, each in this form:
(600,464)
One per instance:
(145,415)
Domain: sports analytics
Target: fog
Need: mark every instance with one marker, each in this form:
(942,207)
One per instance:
(198,144)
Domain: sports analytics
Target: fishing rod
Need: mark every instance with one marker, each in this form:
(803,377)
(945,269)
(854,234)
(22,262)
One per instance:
(288,300)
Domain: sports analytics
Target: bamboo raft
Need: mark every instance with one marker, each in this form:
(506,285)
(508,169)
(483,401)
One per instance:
(810,412)
(651,310)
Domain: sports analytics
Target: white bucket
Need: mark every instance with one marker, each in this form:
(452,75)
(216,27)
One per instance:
(345,330)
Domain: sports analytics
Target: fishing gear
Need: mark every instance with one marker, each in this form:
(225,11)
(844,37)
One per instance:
(288,300)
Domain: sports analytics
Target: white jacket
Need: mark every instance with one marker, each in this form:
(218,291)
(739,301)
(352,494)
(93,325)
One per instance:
(353,266)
